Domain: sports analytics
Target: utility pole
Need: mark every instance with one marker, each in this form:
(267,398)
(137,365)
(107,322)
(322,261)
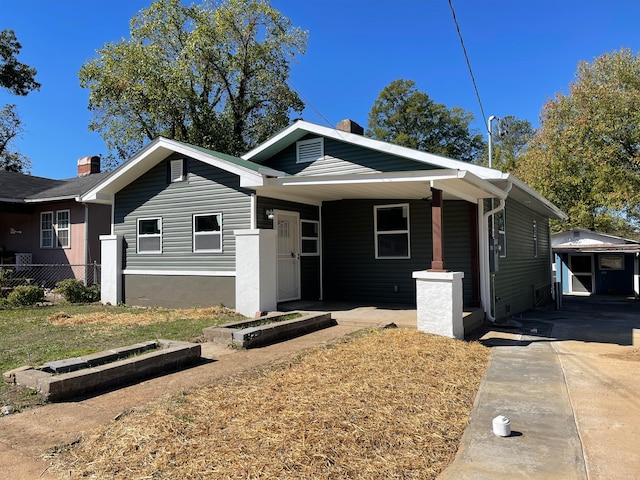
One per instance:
(490,132)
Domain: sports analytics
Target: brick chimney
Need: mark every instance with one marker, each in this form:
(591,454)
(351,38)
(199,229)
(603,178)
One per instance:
(88,165)
(350,126)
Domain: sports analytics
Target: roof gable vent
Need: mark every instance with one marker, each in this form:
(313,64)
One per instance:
(309,150)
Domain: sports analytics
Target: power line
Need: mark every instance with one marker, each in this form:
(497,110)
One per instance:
(455,20)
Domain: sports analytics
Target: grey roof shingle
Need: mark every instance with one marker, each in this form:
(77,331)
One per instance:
(18,187)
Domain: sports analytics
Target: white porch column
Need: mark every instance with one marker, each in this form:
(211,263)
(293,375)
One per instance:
(439,303)
(256,270)
(111,269)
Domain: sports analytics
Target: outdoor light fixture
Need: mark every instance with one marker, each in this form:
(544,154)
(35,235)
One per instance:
(13,231)
(269,214)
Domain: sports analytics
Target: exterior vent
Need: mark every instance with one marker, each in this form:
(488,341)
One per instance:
(309,150)
(176,173)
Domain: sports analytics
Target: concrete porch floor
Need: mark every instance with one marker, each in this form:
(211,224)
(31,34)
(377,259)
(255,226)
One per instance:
(350,313)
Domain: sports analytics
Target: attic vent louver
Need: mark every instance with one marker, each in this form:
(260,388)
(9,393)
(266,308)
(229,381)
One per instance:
(176,171)
(309,150)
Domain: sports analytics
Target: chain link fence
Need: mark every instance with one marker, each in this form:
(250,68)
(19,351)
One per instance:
(46,275)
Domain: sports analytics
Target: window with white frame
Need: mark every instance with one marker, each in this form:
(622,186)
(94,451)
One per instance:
(501,227)
(46,230)
(309,150)
(63,228)
(310,237)
(207,233)
(391,224)
(535,238)
(149,235)
(55,229)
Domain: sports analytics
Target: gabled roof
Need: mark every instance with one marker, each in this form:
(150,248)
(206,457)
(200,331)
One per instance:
(21,188)
(589,241)
(299,129)
(505,181)
(250,173)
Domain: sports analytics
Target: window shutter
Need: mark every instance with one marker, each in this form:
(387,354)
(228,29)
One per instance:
(309,150)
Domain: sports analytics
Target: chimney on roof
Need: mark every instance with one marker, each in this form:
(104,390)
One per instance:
(350,126)
(88,165)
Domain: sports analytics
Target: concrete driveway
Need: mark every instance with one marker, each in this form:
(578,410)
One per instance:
(569,382)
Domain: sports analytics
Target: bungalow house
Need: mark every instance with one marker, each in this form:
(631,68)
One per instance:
(588,262)
(43,221)
(322,213)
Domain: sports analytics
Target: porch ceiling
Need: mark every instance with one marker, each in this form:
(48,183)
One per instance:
(455,185)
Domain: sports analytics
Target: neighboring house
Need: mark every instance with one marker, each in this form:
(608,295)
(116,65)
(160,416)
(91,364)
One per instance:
(320,213)
(588,262)
(42,220)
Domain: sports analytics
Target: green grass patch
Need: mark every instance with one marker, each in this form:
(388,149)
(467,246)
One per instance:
(33,336)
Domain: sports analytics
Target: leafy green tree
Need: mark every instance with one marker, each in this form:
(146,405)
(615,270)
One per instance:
(18,79)
(511,137)
(214,75)
(406,116)
(586,155)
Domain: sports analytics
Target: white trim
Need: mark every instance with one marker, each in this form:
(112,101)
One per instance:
(50,212)
(67,229)
(195,234)
(194,273)
(157,151)
(300,128)
(376,233)
(317,239)
(148,235)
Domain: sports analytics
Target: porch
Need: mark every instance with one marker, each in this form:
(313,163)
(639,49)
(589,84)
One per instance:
(377,315)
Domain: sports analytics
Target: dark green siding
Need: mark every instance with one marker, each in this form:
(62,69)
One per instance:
(309,265)
(351,271)
(343,158)
(522,280)
(208,190)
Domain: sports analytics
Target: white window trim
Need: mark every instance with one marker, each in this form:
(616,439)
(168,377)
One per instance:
(388,232)
(308,159)
(58,229)
(148,235)
(42,245)
(317,239)
(194,233)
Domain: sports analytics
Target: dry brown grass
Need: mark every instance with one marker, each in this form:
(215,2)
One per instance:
(389,404)
(141,316)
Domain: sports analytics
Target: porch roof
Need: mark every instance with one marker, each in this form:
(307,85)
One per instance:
(455,184)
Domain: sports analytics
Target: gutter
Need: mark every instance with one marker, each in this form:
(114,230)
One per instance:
(485,270)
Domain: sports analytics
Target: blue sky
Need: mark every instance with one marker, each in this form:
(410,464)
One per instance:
(521,53)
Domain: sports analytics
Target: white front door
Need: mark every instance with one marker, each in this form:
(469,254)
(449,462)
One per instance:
(288,227)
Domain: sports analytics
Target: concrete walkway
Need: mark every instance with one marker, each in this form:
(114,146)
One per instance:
(568,381)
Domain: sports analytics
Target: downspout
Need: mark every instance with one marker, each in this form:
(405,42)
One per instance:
(485,270)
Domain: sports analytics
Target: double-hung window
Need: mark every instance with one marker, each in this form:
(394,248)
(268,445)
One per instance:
(207,233)
(310,237)
(55,229)
(46,230)
(149,235)
(391,223)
